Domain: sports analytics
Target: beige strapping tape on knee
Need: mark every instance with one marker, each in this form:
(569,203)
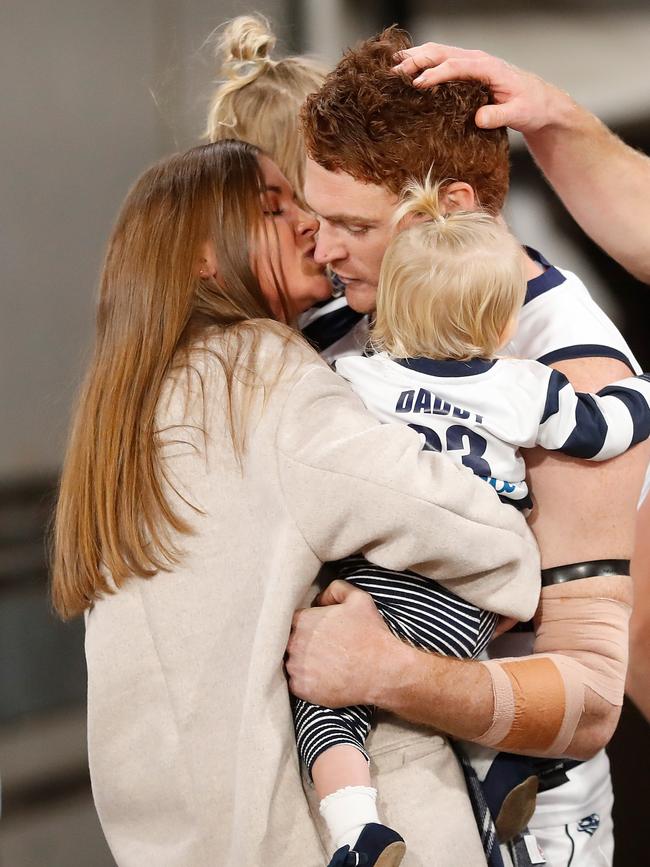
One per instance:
(539,700)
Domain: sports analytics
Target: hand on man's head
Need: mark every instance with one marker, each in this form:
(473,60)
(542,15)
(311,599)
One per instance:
(334,649)
(522,100)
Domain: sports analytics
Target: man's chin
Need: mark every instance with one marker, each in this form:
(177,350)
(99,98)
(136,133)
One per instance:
(361,297)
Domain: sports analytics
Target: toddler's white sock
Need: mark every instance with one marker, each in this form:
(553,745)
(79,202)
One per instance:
(346,811)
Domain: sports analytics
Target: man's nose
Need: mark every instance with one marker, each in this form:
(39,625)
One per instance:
(328,248)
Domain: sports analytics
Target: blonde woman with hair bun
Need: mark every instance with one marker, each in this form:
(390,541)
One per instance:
(259,98)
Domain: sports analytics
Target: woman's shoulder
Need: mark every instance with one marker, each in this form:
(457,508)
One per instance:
(260,343)
(257,357)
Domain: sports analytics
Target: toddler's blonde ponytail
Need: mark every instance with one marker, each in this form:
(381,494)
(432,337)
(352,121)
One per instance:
(420,200)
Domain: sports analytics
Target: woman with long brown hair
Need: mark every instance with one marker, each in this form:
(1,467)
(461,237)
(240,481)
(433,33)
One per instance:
(215,462)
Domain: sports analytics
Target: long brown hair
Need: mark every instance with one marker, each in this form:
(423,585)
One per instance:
(112,514)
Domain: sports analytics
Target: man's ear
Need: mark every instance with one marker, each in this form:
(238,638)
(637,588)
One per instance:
(458,196)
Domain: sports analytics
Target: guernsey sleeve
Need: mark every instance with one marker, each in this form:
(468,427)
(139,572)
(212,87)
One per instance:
(355,485)
(595,426)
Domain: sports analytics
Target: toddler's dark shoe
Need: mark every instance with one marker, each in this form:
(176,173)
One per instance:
(377,846)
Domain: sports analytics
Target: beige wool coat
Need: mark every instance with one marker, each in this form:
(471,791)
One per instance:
(191,745)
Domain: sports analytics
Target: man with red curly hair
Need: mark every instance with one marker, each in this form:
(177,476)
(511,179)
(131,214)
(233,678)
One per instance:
(368,131)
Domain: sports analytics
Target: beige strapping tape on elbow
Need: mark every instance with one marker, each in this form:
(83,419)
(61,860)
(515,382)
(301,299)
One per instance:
(539,700)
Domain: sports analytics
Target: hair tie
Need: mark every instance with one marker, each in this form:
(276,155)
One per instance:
(246,67)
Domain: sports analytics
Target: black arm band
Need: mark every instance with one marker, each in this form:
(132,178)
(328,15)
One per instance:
(589,569)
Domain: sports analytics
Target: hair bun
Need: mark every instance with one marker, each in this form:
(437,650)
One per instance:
(247,39)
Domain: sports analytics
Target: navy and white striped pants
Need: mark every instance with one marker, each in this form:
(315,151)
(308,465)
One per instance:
(417,610)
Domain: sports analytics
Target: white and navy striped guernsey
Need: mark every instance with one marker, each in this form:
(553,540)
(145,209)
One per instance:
(334,329)
(559,321)
(481,412)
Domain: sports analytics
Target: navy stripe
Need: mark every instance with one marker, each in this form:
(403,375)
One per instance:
(585,350)
(338,285)
(550,279)
(447,366)
(330,327)
(590,432)
(637,406)
(489,622)
(555,385)
(320,728)
(536,256)
(406,599)
(417,609)
(358,565)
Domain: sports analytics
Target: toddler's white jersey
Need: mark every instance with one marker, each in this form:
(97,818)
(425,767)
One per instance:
(481,412)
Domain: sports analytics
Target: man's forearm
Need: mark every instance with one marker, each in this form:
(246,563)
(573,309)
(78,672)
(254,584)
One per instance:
(453,695)
(604,183)
(456,697)
(343,654)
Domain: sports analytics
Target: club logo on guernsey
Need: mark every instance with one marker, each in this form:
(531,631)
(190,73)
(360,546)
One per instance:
(426,402)
(590,824)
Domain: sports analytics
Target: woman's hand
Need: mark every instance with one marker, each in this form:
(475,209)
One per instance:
(523,101)
(337,651)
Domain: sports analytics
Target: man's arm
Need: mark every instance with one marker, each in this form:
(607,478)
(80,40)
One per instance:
(604,183)
(586,511)
(343,654)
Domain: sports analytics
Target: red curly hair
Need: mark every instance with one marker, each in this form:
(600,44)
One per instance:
(373,124)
